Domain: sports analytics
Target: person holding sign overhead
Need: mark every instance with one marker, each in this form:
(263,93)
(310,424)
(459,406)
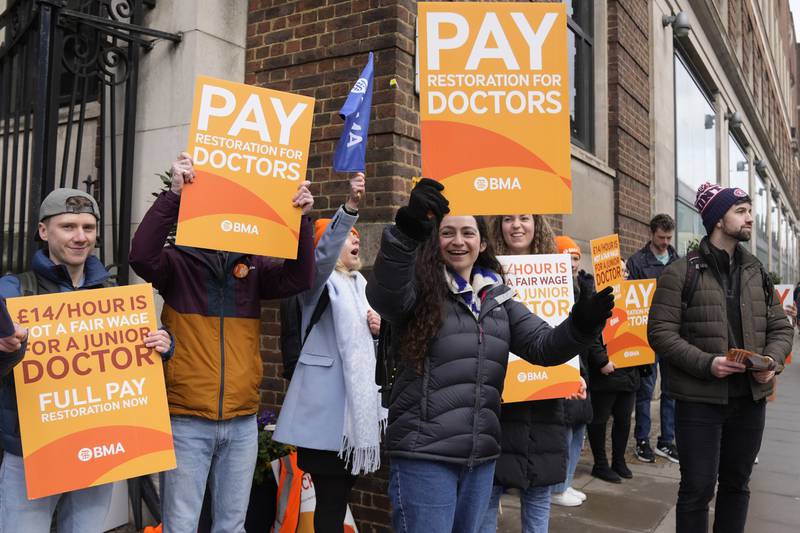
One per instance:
(533,455)
(68,225)
(332,412)
(438,282)
(212,304)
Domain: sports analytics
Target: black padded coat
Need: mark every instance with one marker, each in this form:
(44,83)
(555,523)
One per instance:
(451,411)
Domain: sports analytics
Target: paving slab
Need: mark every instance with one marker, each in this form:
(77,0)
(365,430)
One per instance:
(646,503)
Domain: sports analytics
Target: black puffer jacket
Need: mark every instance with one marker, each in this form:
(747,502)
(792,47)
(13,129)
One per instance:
(534,444)
(580,411)
(452,411)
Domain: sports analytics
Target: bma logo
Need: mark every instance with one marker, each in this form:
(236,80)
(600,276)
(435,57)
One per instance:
(361,86)
(532,375)
(238,227)
(96,452)
(497,184)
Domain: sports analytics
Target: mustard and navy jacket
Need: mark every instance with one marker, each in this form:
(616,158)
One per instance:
(214,316)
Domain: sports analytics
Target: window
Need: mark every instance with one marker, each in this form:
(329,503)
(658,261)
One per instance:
(784,248)
(695,151)
(737,166)
(774,232)
(760,199)
(580,49)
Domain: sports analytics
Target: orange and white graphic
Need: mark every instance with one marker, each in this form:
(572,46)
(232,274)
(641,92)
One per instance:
(625,333)
(785,293)
(544,284)
(250,150)
(494,105)
(91,397)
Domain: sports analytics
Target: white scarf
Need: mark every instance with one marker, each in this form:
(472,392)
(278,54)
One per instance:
(364,417)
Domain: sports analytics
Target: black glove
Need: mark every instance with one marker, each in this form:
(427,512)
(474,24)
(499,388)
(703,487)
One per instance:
(426,208)
(591,312)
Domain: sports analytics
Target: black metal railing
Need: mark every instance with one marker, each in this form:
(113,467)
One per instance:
(68,89)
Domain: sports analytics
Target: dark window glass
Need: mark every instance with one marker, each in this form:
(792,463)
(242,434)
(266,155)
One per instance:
(580,20)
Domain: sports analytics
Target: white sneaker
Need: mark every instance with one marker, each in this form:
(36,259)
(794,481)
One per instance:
(565,499)
(578,494)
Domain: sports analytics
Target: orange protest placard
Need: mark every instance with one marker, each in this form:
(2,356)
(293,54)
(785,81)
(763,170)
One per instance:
(625,333)
(785,293)
(544,284)
(250,150)
(606,257)
(91,398)
(494,105)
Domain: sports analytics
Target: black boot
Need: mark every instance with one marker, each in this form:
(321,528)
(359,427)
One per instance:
(620,431)
(621,468)
(597,441)
(605,473)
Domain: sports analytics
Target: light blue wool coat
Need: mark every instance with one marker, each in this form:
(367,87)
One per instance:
(312,415)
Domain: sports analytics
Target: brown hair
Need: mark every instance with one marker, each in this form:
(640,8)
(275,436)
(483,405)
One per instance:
(431,288)
(543,237)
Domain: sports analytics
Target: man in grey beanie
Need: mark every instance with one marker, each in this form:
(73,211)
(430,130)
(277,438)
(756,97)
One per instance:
(68,225)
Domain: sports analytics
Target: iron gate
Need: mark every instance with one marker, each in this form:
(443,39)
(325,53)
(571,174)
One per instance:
(68,89)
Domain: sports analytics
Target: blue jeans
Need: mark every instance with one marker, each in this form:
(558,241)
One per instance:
(438,497)
(574,444)
(221,453)
(535,506)
(81,511)
(667,407)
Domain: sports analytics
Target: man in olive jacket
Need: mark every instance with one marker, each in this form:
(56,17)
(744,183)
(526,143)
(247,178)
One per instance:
(720,406)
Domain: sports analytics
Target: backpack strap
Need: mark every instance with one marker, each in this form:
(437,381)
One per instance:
(28,283)
(322,304)
(693,265)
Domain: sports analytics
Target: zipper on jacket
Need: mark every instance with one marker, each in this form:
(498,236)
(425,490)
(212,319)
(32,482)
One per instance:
(221,345)
(471,461)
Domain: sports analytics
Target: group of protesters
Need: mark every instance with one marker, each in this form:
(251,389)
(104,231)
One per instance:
(454,447)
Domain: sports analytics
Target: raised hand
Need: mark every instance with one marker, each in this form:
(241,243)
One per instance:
(182,171)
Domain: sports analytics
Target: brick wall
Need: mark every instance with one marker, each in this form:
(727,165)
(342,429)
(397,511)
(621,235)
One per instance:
(319,50)
(629,119)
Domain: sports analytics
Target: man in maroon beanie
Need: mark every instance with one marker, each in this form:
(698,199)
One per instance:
(715,299)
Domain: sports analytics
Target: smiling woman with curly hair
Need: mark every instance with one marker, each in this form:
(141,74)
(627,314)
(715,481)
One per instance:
(437,281)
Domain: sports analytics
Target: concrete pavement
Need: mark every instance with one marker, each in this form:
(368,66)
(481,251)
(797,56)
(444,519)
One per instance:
(646,503)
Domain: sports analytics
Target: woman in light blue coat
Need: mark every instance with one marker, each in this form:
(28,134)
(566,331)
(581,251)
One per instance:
(332,411)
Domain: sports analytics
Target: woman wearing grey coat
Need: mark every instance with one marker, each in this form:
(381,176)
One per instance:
(437,281)
(332,410)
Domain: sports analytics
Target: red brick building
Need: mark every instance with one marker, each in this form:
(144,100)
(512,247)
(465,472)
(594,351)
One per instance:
(626,130)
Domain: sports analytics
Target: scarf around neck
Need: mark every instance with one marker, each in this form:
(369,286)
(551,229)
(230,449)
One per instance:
(481,278)
(364,417)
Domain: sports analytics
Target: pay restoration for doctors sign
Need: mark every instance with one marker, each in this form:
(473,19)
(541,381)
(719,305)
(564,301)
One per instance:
(250,151)
(494,105)
(91,398)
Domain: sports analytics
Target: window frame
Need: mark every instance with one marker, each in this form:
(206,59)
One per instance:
(581,24)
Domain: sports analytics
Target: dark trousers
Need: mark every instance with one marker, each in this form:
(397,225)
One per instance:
(332,494)
(332,486)
(606,404)
(716,444)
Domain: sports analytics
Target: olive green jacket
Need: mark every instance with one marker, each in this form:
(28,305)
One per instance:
(689,351)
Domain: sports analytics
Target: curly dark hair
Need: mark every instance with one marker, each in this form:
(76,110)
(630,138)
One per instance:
(432,290)
(544,240)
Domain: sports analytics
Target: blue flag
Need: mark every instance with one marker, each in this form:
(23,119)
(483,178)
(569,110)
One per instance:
(352,146)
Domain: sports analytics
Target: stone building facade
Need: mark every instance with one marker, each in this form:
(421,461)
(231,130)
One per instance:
(657,108)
